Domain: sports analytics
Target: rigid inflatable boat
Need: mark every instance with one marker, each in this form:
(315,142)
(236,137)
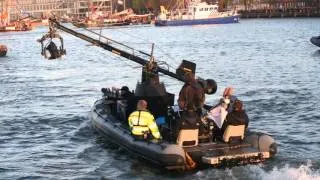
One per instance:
(179,149)
(108,116)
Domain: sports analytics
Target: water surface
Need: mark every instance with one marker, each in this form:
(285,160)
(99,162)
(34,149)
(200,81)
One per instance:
(45,131)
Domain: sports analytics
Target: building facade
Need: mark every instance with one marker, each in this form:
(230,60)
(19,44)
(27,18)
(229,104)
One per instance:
(61,8)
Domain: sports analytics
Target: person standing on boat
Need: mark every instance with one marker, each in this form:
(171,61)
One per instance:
(142,123)
(191,100)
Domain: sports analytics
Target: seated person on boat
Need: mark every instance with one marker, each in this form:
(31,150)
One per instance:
(229,112)
(236,117)
(217,115)
(142,123)
(126,104)
(229,94)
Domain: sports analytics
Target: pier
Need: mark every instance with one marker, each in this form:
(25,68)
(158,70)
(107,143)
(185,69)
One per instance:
(279,9)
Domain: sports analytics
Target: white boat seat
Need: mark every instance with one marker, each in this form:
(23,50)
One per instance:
(188,137)
(233,131)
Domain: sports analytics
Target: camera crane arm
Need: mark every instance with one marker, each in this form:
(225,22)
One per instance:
(53,23)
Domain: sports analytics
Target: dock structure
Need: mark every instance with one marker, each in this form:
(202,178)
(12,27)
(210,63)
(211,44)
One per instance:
(279,8)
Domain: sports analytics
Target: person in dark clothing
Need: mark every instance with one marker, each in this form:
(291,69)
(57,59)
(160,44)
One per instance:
(191,96)
(125,92)
(236,117)
(129,100)
(191,100)
(53,50)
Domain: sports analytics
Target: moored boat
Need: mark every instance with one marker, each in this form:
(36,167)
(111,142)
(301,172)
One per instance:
(105,23)
(3,50)
(196,13)
(123,18)
(315,40)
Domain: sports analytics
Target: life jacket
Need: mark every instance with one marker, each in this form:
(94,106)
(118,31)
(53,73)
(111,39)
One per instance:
(142,122)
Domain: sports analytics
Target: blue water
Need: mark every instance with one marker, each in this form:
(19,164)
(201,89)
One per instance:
(45,131)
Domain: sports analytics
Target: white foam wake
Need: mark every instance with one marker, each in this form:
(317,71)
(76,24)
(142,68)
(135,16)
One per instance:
(304,172)
(257,172)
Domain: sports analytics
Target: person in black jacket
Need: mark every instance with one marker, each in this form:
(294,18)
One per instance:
(190,101)
(237,116)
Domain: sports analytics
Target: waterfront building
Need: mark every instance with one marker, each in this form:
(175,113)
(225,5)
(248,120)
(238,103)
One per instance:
(61,8)
(278,8)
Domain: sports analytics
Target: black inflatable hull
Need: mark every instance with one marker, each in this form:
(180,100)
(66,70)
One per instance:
(256,147)
(315,40)
(170,156)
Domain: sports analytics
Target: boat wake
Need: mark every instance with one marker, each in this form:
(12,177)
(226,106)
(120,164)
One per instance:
(303,172)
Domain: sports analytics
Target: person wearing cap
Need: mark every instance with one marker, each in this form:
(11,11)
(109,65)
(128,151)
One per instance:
(142,123)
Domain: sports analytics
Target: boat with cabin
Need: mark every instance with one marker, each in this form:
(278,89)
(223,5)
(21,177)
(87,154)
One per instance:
(179,149)
(196,13)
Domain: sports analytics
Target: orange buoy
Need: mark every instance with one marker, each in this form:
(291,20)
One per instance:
(3,50)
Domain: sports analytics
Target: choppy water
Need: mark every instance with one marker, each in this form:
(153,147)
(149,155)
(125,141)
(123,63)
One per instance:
(45,132)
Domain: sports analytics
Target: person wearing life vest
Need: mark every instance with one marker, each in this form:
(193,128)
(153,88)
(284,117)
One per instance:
(142,122)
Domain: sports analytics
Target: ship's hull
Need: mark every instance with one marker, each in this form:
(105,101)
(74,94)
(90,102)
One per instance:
(218,20)
(86,25)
